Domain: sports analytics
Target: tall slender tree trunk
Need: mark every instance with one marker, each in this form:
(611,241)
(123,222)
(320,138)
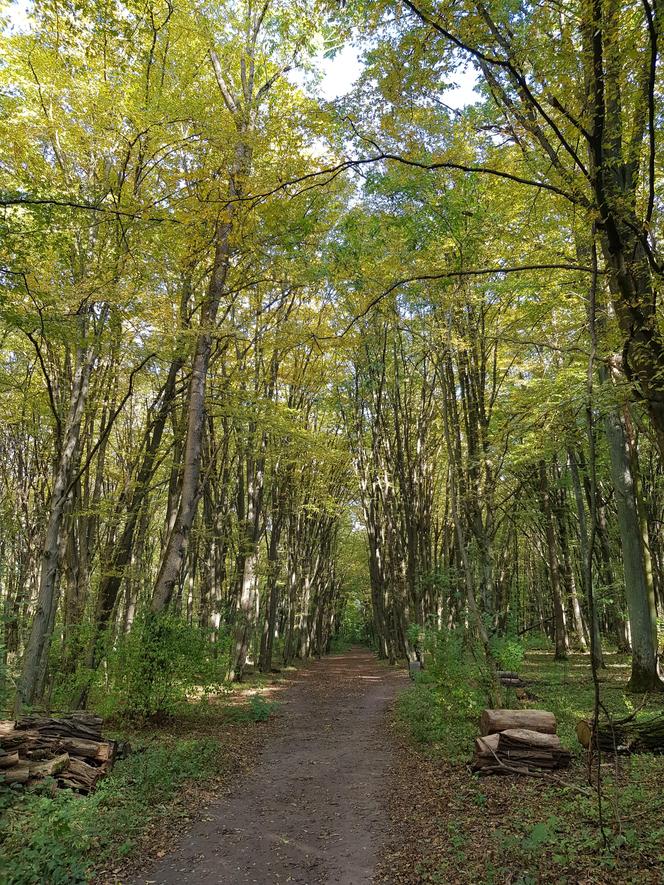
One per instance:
(640,605)
(178,539)
(247,604)
(562,646)
(567,567)
(118,554)
(39,642)
(596,645)
(272,602)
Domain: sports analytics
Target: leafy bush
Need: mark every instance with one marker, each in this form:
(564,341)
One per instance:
(508,652)
(258,709)
(419,709)
(441,709)
(340,644)
(154,668)
(261,709)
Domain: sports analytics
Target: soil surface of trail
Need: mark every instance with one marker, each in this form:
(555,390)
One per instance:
(312,810)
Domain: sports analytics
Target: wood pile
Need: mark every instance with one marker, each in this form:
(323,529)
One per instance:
(70,749)
(518,742)
(624,736)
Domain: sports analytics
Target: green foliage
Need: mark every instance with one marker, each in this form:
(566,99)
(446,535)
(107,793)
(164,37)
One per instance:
(537,642)
(420,710)
(340,644)
(441,709)
(5,687)
(56,839)
(154,669)
(261,709)
(42,841)
(355,626)
(257,709)
(414,635)
(508,652)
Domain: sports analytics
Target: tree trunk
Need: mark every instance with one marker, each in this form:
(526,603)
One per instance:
(40,634)
(554,569)
(118,555)
(645,675)
(178,539)
(583,540)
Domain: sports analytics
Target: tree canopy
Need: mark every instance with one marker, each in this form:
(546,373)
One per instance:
(277,367)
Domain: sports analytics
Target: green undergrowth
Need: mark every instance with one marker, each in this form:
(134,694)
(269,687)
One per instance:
(151,670)
(566,688)
(439,711)
(60,838)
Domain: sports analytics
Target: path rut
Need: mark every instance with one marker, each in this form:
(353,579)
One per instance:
(312,809)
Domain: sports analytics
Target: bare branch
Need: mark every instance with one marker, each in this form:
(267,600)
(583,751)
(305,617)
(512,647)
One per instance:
(229,101)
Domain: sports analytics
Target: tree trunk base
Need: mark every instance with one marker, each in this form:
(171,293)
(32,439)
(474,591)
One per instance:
(644,681)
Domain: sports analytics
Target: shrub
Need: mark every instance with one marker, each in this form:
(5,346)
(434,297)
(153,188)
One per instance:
(261,709)
(419,709)
(441,709)
(257,709)
(154,668)
(508,652)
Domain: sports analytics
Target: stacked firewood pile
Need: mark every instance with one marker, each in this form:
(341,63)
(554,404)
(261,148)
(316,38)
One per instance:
(518,742)
(70,749)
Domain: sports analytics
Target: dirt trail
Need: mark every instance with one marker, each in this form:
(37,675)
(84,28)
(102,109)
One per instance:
(311,811)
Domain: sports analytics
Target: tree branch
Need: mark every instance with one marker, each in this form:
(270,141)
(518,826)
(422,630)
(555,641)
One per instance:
(454,274)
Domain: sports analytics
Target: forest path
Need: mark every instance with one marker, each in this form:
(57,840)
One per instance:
(312,809)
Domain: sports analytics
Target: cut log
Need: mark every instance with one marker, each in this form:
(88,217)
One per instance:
(8,760)
(520,741)
(51,767)
(487,746)
(11,738)
(519,751)
(630,735)
(102,751)
(81,776)
(492,721)
(18,775)
(533,759)
(69,748)
(78,725)
(526,737)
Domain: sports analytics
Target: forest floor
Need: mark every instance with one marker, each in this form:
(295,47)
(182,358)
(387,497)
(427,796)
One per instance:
(312,808)
(451,827)
(344,771)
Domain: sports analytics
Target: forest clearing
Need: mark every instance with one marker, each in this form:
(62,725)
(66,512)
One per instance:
(331,442)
